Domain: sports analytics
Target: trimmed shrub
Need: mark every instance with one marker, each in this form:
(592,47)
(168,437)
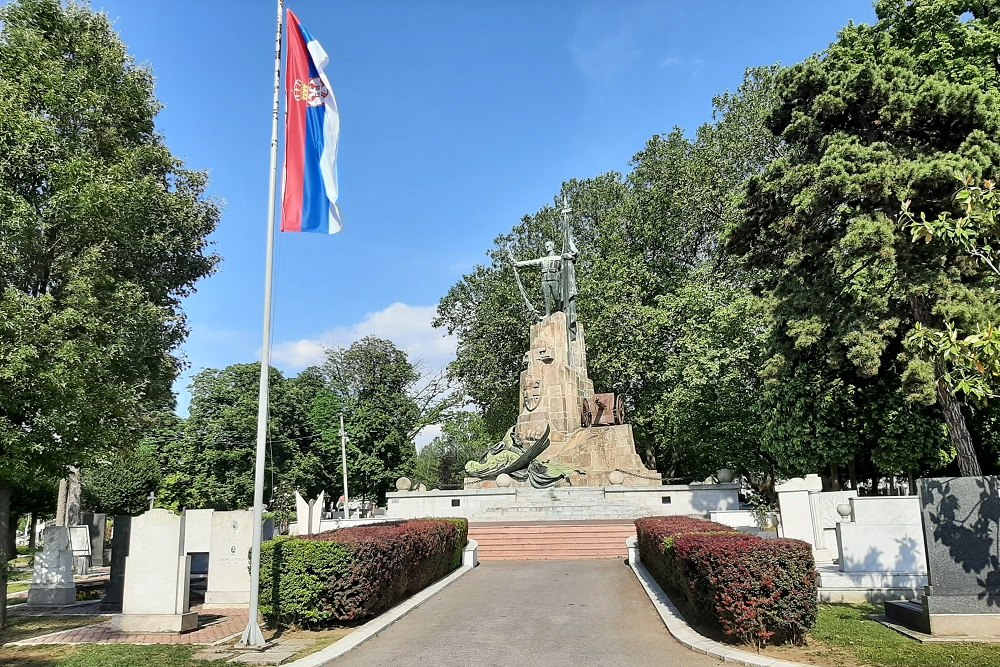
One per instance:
(352,574)
(757,591)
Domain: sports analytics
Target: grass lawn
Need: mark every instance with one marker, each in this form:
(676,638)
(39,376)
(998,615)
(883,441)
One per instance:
(101,656)
(845,636)
(115,655)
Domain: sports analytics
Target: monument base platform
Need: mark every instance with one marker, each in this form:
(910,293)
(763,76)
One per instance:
(51,595)
(155,622)
(564,503)
(226,600)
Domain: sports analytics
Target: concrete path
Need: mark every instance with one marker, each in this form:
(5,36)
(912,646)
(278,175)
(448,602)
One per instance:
(526,613)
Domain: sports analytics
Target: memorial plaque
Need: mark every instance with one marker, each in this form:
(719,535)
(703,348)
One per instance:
(79,538)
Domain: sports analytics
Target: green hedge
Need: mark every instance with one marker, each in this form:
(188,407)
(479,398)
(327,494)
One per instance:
(756,590)
(353,574)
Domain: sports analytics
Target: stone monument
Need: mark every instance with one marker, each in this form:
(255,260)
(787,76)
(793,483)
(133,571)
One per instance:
(961,529)
(553,441)
(113,592)
(157,577)
(52,579)
(96,524)
(229,560)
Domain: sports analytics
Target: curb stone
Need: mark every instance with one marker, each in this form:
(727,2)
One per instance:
(684,634)
(470,559)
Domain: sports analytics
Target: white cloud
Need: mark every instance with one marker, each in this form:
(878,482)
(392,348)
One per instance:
(427,434)
(409,327)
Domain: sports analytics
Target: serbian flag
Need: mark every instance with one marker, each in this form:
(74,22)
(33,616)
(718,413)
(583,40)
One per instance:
(312,130)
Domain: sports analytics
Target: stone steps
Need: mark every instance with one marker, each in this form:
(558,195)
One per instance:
(552,541)
(837,586)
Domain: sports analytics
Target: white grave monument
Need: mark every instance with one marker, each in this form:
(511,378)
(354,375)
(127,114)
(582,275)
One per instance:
(229,561)
(52,580)
(157,577)
(308,513)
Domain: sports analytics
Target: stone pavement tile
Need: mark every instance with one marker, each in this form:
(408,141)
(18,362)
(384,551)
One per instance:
(212,655)
(260,658)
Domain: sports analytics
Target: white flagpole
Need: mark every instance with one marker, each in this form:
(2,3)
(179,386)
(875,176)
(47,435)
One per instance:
(252,636)
(343,459)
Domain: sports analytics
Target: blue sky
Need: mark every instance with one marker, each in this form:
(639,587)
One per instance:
(457,119)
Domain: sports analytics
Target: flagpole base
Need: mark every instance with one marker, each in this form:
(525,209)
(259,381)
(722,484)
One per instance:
(252,636)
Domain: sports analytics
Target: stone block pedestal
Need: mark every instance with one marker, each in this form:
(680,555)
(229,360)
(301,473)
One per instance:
(155,622)
(52,595)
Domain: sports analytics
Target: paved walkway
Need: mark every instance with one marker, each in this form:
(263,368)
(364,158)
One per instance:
(526,613)
(213,626)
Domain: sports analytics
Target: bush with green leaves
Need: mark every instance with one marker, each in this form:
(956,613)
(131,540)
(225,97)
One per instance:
(353,574)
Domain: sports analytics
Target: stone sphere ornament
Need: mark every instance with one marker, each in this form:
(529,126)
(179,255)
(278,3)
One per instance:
(403,484)
(504,480)
(844,510)
(725,475)
(421,487)
(616,477)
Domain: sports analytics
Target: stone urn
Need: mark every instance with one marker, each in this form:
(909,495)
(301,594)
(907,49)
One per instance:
(725,475)
(844,510)
(403,484)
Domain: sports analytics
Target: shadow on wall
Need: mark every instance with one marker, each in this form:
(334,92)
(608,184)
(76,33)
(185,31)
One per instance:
(968,530)
(907,559)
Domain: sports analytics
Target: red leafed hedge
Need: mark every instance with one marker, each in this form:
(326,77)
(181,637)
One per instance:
(758,591)
(352,574)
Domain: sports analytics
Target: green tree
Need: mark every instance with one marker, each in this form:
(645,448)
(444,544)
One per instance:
(211,463)
(441,463)
(648,240)
(887,113)
(386,403)
(102,233)
(121,483)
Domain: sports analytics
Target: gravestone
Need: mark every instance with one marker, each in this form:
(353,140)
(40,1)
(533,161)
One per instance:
(52,578)
(121,531)
(308,513)
(157,577)
(197,531)
(228,560)
(79,540)
(97,525)
(961,530)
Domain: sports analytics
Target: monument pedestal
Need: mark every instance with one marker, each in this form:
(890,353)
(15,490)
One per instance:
(51,595)
(52,579)
(155,622)
(600,450)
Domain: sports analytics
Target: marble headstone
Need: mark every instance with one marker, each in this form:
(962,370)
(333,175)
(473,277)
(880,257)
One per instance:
(229,560)
(52,579)
(157,577)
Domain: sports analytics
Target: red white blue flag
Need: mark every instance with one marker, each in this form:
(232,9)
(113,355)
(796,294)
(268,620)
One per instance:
(312,130)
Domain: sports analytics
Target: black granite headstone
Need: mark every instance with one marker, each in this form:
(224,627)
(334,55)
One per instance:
(961,521)
(119,550)
(96,524)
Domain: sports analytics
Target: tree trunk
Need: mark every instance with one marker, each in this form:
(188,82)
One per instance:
(4,556)
(958,433)
(33,527)
(968,464)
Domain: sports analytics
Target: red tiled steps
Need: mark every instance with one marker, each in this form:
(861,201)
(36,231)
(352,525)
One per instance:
(567,540)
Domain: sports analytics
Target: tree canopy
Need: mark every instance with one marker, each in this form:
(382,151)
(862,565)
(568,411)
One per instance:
(888,113)
(102,233)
